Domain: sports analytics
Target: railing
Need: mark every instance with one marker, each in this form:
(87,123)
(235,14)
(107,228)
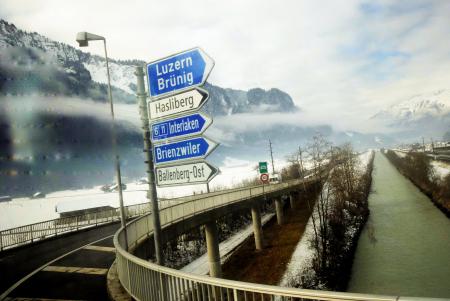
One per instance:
(148,281)
(15,237)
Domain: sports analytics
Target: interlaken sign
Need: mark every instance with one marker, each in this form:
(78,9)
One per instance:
(189,125)
(176,126)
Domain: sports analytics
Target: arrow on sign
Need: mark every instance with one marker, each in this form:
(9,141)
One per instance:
(192,173)
(188,101)
(189,125)
(178,72)
(194,148)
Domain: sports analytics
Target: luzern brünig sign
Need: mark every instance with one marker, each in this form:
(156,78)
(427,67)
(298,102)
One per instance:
(178,72)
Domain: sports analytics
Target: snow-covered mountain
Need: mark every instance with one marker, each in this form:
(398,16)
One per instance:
(23,54)
(49,124)
(435,104)
(423,114)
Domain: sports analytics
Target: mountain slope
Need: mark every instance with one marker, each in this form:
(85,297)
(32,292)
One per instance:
(30,63)
(424,114)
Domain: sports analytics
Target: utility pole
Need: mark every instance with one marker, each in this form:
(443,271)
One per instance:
(152,193)
(432,145)
(423,144)
(271,156)
(300,161)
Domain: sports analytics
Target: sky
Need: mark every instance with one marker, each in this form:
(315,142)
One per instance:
(340,60)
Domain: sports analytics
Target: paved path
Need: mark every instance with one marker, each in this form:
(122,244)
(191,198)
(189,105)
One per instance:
(78,276)
(201,266)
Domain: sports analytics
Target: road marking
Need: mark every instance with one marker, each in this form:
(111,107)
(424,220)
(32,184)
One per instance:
(100,248)
(15,285)
(78,270)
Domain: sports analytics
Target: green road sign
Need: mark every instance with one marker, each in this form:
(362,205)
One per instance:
(262,167)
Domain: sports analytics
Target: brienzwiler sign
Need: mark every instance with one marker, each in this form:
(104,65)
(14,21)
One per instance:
(194,148)
(178,72)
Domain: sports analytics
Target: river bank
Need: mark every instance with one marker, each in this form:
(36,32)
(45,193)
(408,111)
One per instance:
(344,212)
(403,249)
(420,171)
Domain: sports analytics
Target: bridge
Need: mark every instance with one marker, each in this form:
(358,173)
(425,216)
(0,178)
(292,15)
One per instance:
(132,245)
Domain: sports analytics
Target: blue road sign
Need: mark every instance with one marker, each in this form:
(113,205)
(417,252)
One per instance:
(178,72)
(194,148)
(189,125)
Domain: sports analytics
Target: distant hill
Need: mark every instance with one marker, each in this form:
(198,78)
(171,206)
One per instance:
(420,115)
(33,63)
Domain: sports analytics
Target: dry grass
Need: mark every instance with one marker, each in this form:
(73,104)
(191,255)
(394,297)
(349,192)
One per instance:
(267,266)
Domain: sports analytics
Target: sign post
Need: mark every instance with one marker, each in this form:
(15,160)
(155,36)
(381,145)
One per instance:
(176,126)
(152,193)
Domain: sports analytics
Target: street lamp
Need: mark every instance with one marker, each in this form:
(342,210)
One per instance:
(83,39)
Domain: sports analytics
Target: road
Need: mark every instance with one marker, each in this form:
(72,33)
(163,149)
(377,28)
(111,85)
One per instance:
(58,282)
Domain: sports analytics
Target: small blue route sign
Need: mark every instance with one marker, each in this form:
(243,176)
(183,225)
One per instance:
(189,125)
(194,148)
(178,72)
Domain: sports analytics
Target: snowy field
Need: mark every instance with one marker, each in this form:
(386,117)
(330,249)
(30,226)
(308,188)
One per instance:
(24,211)
(301,260)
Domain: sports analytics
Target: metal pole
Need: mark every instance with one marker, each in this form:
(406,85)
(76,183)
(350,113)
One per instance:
(123,218)
(152,193)
(271,156)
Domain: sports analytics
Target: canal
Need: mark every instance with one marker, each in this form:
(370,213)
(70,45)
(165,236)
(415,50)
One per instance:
(404,248)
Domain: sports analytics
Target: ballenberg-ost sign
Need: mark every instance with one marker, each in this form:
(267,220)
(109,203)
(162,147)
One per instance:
(193,173)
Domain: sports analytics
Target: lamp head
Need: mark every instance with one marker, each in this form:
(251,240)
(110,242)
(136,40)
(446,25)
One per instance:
(82,39)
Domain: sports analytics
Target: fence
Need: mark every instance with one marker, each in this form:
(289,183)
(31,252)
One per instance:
(148,281)
(19,236)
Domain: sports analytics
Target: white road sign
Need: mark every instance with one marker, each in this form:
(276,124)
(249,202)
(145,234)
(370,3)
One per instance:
(188,101)
(192,173)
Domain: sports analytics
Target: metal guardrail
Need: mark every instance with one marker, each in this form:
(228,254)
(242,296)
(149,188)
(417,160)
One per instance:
(145,280)
(23,235)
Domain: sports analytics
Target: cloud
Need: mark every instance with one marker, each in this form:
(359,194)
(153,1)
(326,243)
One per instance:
(338,62)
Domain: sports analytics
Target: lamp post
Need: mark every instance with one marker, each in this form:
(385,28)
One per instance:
(83,39)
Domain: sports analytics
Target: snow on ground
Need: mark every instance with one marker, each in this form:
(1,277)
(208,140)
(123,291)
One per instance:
(364,159)
(201,266)
(232,173)
(25,211)
(302,257)
(401,154)
(301,260)
(441,169)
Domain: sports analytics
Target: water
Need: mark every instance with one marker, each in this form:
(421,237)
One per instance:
(404,248)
